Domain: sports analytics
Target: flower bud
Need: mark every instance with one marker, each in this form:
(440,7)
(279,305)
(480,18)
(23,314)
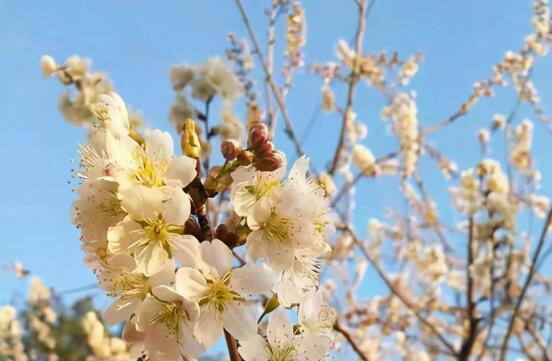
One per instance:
(189,141)
(230,149)
(258,134)
(192,227)
(229,238)
(270,162)
(264,148)
(245,157)
(48,65)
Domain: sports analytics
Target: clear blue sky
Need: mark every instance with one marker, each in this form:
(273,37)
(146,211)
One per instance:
(136,41)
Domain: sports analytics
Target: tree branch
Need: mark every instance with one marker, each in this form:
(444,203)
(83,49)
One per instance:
(400,296)
(534,261)
(353,78)
(275,90)
(337,327)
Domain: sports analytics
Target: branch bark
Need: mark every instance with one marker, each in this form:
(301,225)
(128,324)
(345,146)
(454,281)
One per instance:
(337,327)
(532,268)
(275,90)
(353,79)
(400,296)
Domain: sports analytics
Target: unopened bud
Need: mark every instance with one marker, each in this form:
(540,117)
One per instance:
(258,134)
(48,65)
(264,148)
(245,157)
(229,238)
(189,141)
(230,149)
(270,162)
(191,226)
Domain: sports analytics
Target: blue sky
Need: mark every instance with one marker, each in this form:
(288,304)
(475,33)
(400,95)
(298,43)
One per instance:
(137,41)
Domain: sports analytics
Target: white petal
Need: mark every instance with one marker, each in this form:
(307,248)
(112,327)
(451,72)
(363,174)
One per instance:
(166,293)
(217,255)
(312,347)
(252,279)
(142,202)
(239,321)
(121,236)
(311,306)
(160,346)
(183,169)
(254,349)
(159,145)
(177,207)
(151,258)
(209,326)
(185,248)
(288,293)
(148,309)
(190,283)
(279,330)
(120,311)
(164,276)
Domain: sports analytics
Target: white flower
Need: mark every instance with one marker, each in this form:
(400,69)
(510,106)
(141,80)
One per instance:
(316,316)
(48,65)
(302,276)
(153,229)
(164,324)
(291,217)
(250,185)
(120,279)
(97,209)
(215,76)
(112,114)
(222,292)
(281,344)
(155,165)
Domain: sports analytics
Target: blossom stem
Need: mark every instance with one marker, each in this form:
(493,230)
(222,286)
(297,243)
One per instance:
(232,345)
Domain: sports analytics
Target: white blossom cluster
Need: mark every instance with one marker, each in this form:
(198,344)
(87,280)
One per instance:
(177,293)
(204,82)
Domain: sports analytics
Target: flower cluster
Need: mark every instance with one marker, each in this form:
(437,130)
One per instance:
(141,211)
(205,81)
(11,345)
(403,112)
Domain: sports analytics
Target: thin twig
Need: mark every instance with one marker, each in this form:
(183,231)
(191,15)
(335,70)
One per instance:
(275,90)
(353,78)
(534,262)
(400,296)
(270,66)
(232,345)
(337,327)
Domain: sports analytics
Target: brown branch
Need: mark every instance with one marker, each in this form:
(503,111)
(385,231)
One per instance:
(275,90)
(400,296)
(337,327)
(270,66)
(353,79)
(473,320)
(532,268)
(232,347)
